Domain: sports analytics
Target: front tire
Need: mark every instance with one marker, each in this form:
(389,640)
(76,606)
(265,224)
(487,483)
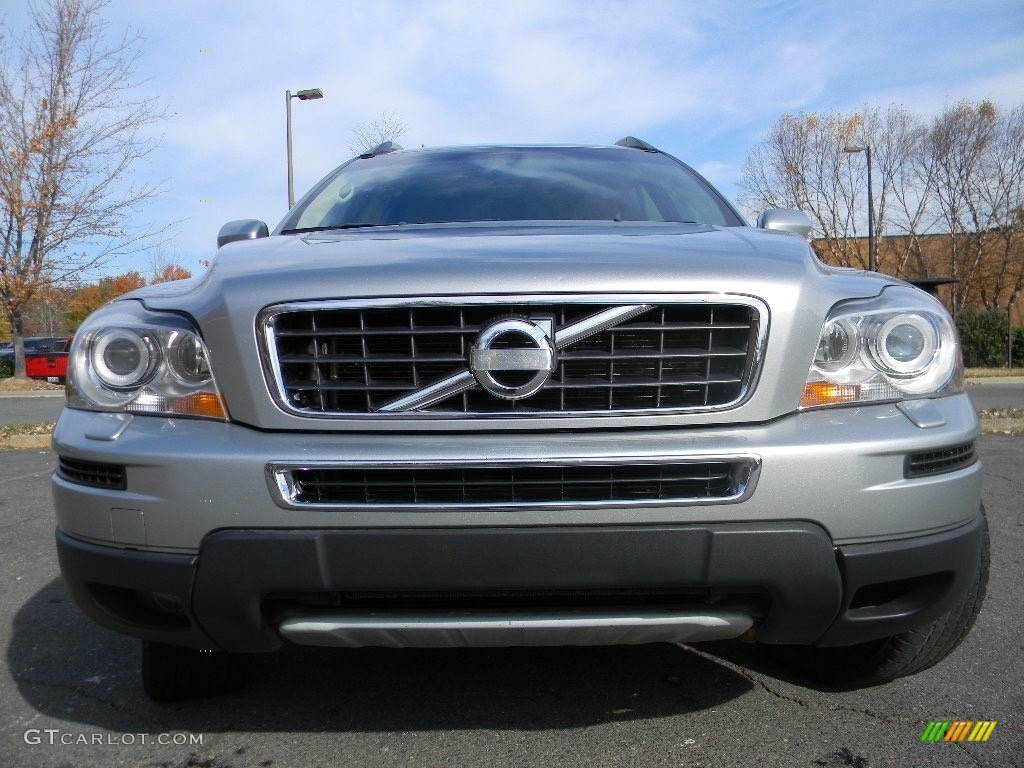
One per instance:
(880,661)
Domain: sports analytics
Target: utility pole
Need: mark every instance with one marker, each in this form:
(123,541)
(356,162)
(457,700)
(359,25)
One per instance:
(872,256)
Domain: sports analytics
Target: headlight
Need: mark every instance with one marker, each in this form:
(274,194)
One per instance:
(126,359)
(186,358)
(899,345)
(906,344)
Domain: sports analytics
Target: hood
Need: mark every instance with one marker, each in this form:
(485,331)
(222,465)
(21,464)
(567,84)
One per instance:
(446,260)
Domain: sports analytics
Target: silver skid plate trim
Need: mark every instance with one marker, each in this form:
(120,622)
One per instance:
(456,630)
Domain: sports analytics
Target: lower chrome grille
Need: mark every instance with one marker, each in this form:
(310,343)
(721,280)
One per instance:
(347,358)
(937,462)
(701,481)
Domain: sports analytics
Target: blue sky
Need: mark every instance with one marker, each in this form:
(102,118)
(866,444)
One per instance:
(701,80)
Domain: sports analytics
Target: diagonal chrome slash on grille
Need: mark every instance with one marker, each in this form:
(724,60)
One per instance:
(564,337)
(434,393)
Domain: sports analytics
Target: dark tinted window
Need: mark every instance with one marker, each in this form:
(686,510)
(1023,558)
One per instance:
(38,345)
(511,184)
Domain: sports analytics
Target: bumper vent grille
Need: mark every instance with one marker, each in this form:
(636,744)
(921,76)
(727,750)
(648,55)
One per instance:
(938,462)
(461,485)
(331,360)
(92,473)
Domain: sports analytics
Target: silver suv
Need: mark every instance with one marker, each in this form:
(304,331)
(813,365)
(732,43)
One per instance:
(521,395)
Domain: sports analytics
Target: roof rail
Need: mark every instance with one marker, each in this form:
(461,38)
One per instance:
(382,149)
(632,142)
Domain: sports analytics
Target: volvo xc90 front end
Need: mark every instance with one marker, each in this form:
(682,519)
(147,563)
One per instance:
(521,395)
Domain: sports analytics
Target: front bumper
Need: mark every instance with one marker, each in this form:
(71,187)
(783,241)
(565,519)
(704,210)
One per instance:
(433,587)
(844,469)
(833,542)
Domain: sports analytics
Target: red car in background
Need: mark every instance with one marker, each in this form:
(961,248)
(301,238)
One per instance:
(46,357)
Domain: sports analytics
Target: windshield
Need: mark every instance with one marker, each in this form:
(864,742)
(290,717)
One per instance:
(510,184)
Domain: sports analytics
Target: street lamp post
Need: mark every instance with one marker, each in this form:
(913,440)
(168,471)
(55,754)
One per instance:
(872,257)
(306,95)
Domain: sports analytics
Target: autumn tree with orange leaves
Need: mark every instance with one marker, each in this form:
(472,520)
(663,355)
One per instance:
(84,300)
(71,129)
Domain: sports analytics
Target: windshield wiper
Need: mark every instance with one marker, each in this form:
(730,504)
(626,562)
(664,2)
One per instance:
(360,225)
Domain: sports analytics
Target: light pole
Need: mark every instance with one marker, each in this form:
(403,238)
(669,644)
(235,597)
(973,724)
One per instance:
(872,258)
(306,95)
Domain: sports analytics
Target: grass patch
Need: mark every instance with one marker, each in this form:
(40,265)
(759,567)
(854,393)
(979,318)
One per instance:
(25,435)
(13,384)
(10,430)
(1002,421)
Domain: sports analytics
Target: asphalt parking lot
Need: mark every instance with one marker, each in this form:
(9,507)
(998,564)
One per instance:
(70,694)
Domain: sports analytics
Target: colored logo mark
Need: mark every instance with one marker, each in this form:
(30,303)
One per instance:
(958,730)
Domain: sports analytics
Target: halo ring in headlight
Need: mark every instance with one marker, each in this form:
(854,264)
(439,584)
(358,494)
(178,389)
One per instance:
(123,359)
(905,344)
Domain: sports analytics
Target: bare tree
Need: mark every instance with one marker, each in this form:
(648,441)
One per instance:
(387,127)
(959,177)
(165,264)
(978,153)
(958,141)
(906,189)
(70,131)
(1005,199)
(801,164)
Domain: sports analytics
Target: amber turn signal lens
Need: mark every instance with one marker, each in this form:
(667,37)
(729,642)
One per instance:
(826,393)
(201,404)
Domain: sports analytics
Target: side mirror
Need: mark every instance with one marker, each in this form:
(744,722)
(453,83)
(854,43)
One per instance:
(785,220)
(241,229)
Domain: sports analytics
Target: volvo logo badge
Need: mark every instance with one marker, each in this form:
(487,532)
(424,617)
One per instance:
(514,357)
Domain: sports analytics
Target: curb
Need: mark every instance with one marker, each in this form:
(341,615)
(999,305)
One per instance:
(983,380)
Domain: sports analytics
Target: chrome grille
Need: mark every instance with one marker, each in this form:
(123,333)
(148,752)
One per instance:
(337,359)
(461,484)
